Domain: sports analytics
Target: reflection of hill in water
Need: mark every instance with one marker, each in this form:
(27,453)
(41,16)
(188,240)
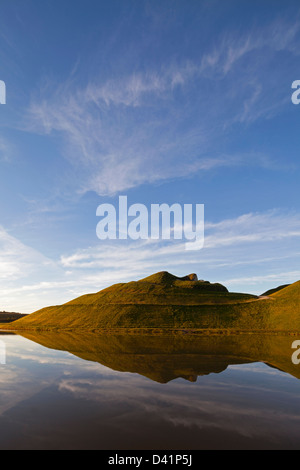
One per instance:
(163,358)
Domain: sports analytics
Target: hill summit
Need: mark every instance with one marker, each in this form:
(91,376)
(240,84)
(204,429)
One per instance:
(190,281)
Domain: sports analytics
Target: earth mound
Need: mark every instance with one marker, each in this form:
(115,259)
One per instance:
(163,301)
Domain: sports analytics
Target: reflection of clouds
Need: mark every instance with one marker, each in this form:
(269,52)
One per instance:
(42,355)
(245,409)
(259,368)
(19,381)
(251,401)
(16,386)
(43,358)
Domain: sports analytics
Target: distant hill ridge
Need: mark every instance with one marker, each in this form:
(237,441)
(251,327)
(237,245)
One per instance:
(165,301)
(7,317)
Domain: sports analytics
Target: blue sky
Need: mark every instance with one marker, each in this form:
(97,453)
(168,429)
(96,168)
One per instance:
(164,102)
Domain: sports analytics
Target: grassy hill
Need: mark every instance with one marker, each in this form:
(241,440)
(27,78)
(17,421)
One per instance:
(165,301)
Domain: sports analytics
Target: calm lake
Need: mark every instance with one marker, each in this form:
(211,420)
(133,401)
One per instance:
(118,392)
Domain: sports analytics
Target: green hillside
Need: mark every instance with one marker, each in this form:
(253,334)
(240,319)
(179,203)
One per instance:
(165,301)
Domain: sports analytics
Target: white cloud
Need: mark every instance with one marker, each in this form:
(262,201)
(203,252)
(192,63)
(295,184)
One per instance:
(127,131)
(261,239)
(16,259)
(258,227)
(112,149)
(233,250)
(6,150)
(19,265)
(286,277)
(279,35)
(249,229)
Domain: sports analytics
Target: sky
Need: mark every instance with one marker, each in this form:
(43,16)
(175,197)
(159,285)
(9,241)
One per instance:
(185,102)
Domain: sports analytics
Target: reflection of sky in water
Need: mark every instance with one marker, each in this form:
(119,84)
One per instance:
(52,399)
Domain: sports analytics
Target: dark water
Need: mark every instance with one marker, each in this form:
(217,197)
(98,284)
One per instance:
(119,393)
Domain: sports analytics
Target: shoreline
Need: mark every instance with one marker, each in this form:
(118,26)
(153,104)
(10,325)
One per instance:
(154,331)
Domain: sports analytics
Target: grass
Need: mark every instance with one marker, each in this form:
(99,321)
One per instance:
(163,301)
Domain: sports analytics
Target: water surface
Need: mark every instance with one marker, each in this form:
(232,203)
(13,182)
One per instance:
(67,391)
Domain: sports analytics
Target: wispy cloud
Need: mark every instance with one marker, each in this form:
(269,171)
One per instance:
(261,239)
(16,259)
(257,227)
(279,35)
(6,150)
(127,131)
(249,229)
(21,264)
(236,246)
(275,279)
